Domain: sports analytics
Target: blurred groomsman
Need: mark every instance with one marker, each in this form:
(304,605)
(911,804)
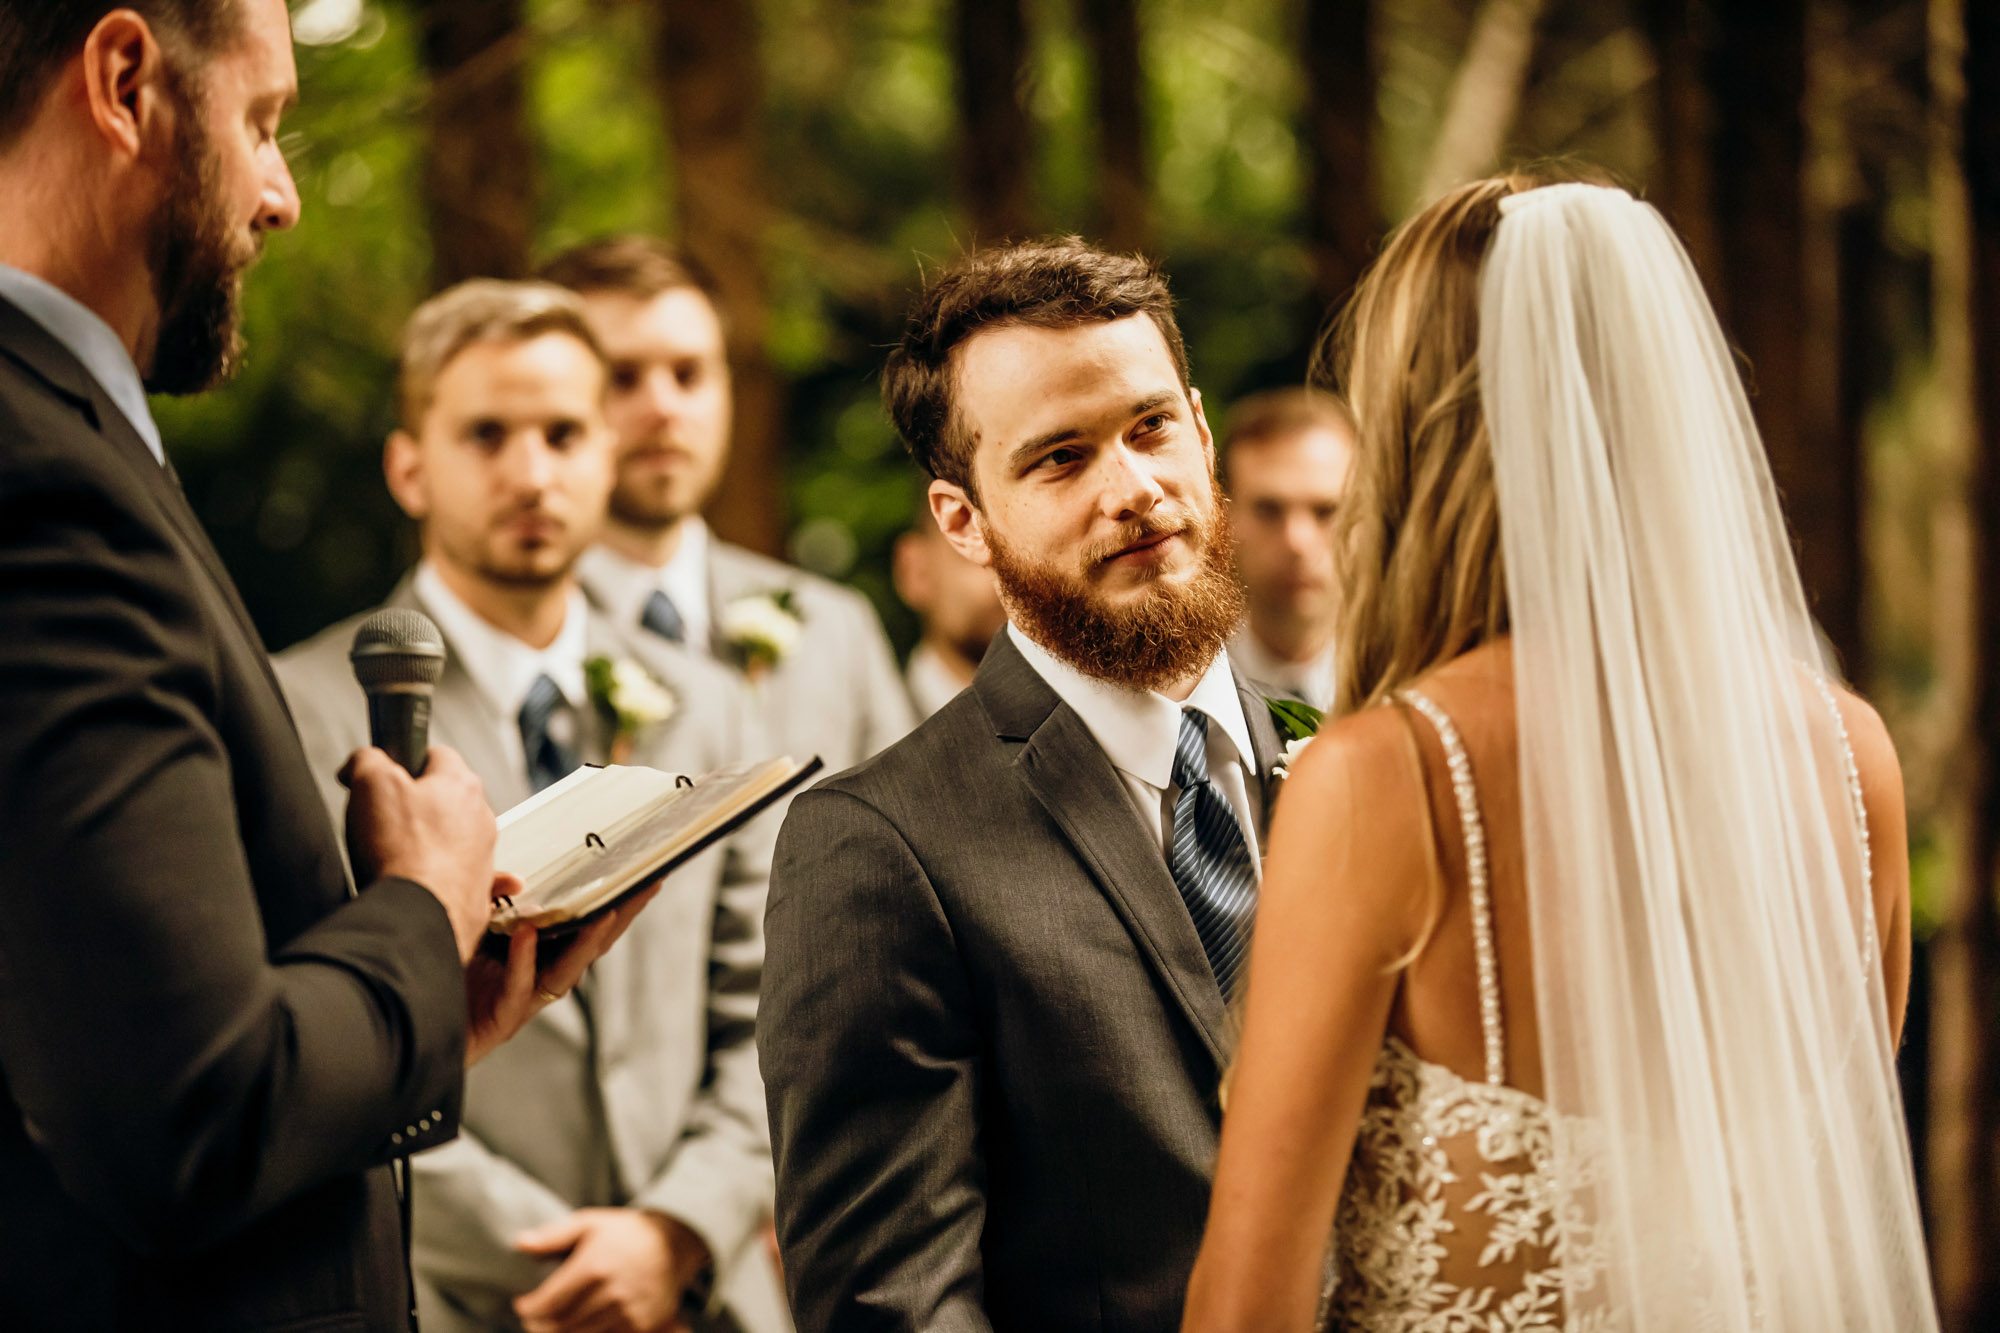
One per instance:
(1285,462)
(825,676)
(615,1160)
(959,605)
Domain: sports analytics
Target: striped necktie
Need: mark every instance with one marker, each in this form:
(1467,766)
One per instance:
(1210,861)
(664,618)
(549,761)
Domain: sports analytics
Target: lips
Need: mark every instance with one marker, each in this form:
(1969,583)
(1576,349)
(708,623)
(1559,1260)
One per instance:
(1144,548)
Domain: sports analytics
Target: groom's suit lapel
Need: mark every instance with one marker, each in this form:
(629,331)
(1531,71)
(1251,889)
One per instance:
(1069,774)
(1266,749)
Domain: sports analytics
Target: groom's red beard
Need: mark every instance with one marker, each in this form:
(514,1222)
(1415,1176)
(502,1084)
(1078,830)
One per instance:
(1166,633)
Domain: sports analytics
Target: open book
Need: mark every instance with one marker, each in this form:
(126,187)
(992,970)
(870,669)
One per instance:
(584,843)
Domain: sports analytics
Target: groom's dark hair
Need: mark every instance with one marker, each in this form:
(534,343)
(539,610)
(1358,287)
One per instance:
(1061,283)
(37,36)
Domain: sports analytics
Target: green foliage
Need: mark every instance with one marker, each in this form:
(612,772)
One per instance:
(1294,720)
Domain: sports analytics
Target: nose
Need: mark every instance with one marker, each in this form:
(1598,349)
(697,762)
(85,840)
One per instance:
(1130,489)
(1302,532)
(278,207)
(662,395)
(528,463)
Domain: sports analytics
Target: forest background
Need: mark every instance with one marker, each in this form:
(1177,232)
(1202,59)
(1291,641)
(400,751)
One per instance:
(1834,166)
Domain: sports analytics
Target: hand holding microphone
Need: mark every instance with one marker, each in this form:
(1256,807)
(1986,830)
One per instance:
(412,812)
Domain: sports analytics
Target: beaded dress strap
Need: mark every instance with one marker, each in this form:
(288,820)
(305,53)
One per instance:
(1474,829)
(1851,772)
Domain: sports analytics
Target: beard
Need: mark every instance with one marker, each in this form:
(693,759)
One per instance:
(197,263)
(1163,634)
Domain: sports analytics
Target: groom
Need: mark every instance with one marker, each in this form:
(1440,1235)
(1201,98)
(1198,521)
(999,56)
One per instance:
(1000,954)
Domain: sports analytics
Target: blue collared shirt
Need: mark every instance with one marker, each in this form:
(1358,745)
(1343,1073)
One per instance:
(91,341)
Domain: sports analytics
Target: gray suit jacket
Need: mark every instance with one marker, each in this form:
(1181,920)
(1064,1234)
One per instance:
(992,1043)
(839,695)
(643,1089)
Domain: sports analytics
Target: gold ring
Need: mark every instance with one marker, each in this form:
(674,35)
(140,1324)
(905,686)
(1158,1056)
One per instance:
(548,995)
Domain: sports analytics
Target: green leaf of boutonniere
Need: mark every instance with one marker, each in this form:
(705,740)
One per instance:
(1295,721)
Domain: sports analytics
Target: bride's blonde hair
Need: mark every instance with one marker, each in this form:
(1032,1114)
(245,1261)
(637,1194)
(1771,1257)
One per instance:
(1418,533)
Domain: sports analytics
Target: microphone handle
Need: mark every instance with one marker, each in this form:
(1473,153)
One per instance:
(399,723)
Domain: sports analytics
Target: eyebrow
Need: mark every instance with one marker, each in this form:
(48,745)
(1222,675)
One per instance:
(1021,454)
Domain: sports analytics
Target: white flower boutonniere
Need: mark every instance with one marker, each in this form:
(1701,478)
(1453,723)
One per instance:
(629,698)
(762,629)
(1297,724)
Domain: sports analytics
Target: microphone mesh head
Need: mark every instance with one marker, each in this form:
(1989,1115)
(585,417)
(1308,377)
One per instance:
(397,646)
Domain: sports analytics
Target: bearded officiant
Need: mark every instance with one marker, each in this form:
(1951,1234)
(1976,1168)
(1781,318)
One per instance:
(615,1165)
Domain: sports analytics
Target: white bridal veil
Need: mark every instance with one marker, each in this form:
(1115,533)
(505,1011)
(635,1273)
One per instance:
(1710,998)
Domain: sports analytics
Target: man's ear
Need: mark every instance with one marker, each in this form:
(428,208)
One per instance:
(1201,425)
(403,469)
(961,522)
(125,84)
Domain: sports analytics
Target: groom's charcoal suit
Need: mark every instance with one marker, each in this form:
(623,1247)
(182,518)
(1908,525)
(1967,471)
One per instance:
(991,1041)
(209,1053)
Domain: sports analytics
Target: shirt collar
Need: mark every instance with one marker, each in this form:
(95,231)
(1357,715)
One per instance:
(1138,729)
(625,583)
(1312,680)
(90,340)
(502,667)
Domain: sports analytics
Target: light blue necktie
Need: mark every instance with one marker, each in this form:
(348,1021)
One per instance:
(663,618)
(549,761)
(1211,862)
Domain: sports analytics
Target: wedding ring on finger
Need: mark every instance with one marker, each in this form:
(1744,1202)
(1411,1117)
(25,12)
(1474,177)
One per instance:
(546,996)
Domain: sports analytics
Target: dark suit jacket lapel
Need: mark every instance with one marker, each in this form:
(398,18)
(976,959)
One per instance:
(1069,774)
(1266,749)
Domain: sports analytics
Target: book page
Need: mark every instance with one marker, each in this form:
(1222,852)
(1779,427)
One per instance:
(600,832)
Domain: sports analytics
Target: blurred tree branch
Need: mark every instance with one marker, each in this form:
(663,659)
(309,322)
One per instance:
(996,178)
(478,181)
(709,67)
(1344,208)
(1485,95)
(1124,186)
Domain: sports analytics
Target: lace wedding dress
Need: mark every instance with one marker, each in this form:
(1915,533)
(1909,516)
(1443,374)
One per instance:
(1451,1219)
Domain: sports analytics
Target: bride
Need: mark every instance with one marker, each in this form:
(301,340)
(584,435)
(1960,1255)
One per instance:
(1584,938)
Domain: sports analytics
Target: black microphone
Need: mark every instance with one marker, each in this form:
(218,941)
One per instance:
(398,656)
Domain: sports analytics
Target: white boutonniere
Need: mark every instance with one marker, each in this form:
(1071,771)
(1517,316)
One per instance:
(629,698)
(1297,724)
(761,629)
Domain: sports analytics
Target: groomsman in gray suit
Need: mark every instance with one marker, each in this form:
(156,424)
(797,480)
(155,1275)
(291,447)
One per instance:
(823,672)
(1001,953)
(614,1166)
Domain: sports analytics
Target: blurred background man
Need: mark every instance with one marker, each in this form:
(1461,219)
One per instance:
(958,605)
(615,1155)
(826,678)
(1285,459)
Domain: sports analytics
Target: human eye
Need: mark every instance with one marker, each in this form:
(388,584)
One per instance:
(488,436)
(562,435)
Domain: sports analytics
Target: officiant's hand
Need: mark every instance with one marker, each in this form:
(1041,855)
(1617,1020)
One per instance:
(502,993)
(436,830)
(623,1270)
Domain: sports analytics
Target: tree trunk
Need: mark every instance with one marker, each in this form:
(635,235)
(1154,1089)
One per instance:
(707,60)
(996,168)
(479,187)
(1345,202)
(1681,187)
(1485,95)
(1124,187)
(1965,1185)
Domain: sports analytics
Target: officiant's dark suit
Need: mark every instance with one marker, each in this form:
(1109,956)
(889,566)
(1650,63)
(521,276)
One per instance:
(208,1053)
(991,1039)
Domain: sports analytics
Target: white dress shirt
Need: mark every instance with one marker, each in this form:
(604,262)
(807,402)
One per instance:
(503,668)
(1311,680)
(91,341)
(626,584)
(1139,729)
